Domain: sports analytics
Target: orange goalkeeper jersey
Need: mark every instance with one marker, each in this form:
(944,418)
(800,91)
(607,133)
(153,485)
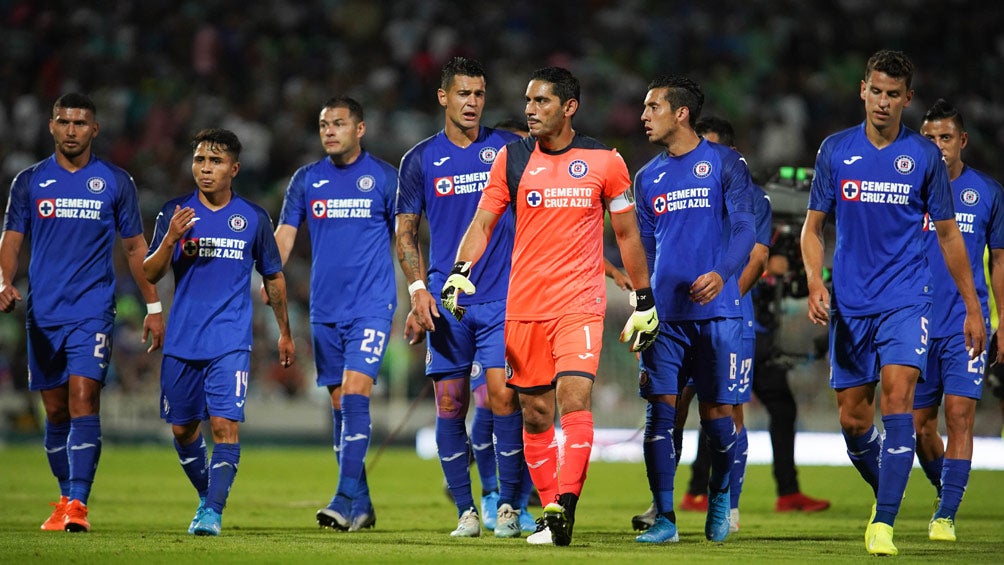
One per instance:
(557,258)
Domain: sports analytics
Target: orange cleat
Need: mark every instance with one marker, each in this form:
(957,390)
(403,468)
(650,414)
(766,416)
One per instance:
(58,517)
(76,517)
(799,502)
(694,503)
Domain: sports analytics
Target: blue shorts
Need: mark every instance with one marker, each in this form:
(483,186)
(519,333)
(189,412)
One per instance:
(191,390)
(354,345)
(950,371)
(709,350)
(83,349)
(861,345)
(456,346)
(745,372)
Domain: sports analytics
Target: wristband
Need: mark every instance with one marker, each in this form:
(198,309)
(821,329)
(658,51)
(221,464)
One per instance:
(645,298)
(417,285)
(154,308)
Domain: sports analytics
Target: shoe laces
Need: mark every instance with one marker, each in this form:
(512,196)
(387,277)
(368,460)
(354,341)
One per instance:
(541,525)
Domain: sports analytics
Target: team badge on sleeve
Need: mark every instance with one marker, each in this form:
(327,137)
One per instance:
(237,222)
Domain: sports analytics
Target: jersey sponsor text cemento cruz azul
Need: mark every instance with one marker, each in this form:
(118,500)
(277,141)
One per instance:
(82,208)
(877,192)
(214,247)
(568,197)
(341,208)
(465,183)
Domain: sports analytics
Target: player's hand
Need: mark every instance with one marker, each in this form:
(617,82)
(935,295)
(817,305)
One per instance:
(644,321)
(706,287)
(621,280)
(181,222)
(976,334)
(996,354)
(423,309)
(456,283)
(153,329)
(287,351)
(9,297)
(819,304)
(414,333)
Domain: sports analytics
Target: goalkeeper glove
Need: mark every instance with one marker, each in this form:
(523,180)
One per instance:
(456,283)
(644,321)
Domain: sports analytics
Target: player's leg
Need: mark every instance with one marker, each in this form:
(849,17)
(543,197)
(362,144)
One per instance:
(47,365)
(930,447)
(738,473)
(193,457)
(696,497)
(926,403)
(329,360)
(183,406)
(483,448)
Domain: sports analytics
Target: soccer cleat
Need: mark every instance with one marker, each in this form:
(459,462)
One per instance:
(198,514)
(363,520)
(209,523)
(941,529)
(733,520)
(76,517)
(878,539)
(57,519)
(799,502)
(542,534)
(489,509)
(716,525)
(871,518)
(507,524)
(468,526)
(661,531)
(526,521)
(644,521)
(694,503)
(328,518)
(559,523)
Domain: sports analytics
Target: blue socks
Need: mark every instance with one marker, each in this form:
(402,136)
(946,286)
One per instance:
(738,468)
(484,449)
(864,453)
(722,441)
(660,454)
(56,436)
(932,470)
(954,478)
(511,462)
(195,463)
(222,471)
(451,441)
(84,449)
(355,442)
(896,462)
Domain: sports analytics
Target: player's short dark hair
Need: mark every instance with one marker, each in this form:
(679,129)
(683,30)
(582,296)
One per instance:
(354,107)
(943,110)
(74,100)
(720,126)
(513,125)
(460,66)
(219,138)
(893,63)
(681,92)
(564,84)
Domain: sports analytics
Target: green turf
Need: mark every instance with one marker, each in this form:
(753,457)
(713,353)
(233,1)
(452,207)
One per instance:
(142,504)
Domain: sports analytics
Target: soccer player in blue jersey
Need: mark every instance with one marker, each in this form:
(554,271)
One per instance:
(695,215)
(442,177)
(951,372)
(878,179)
(211,239)
(71,205)
(347,201)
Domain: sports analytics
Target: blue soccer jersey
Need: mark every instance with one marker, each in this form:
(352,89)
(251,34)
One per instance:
(690,204)
(762,219)
(980,215)
(445,181)
(71,219)
(349,213)
(879,197)
(211,313)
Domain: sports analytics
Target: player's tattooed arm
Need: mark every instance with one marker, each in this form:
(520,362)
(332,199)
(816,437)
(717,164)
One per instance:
(275,287)
(423,305)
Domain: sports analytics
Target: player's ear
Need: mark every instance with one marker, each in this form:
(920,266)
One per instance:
(571,106)
(235,169)
(441,94)
(360,129)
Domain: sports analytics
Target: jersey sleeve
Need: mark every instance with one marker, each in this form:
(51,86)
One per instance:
(995,225)
(618,180)
(293,212)
(410,186)
(646,222)
(128,220)
(939,189)
(266,251)
(822,194)
(160,227)
(390,194)
(495,196)
(763,217)
(18,213)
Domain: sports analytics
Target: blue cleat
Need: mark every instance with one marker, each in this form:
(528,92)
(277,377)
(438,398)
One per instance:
(198,515)
(208,524)
(716,525)
(661,531)
(489,509)
(526,521)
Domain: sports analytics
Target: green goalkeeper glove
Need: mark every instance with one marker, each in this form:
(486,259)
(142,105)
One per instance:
(644,321)
(456,283)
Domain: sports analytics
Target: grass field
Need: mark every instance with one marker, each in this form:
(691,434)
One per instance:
(142,504)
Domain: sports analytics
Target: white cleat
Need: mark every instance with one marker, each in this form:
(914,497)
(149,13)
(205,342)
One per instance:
(469,525)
